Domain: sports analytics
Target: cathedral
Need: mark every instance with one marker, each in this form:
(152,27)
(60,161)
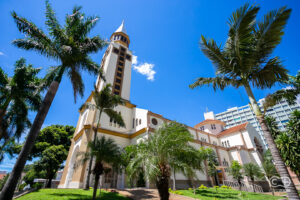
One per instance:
(241,143)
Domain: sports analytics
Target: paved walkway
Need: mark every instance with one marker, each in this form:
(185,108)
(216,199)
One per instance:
(146,194)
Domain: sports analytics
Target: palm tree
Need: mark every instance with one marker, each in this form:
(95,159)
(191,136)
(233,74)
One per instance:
(252,171)
(105,151)
(69,45)
(269,169)
(18,94)
(235,171)
(162,149)
(105,102)
(246,59)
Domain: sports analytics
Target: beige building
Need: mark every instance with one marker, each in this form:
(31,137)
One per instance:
(241,143)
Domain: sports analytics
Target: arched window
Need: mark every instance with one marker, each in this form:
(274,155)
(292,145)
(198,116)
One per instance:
(136,122)
(140,121)
(258,145)
(83,120)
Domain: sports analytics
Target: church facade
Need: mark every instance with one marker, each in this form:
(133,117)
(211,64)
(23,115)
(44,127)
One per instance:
(241,143)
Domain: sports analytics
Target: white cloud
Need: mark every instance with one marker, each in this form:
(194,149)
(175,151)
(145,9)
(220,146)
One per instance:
(144,68)
(1,53)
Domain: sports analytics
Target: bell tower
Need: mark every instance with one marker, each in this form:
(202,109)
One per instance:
(116,64)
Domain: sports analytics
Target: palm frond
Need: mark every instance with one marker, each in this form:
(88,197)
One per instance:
(240,35)
(115,116)
(215,54)
(77,82)
(217,82)
(273,71)
(269,32)
(53,25)
(35,45)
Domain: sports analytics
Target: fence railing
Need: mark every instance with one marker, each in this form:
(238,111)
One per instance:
(244,186)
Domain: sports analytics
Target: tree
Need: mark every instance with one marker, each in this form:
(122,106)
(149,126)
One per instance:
(18,94)
(252,171)
(51,147)
(51,161)
(69,45)
(246,59)
(212,163)
(160,151)
(105,102)
(269,169)
(290,93)
(105,151)
(288,143)
(236,173)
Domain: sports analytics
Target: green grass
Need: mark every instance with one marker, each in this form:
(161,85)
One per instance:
(226,194)
(69,194)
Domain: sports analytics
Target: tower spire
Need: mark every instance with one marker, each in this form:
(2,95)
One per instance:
(121,28)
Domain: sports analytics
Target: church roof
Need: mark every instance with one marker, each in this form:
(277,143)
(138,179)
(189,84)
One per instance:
(121,28)
(210,121)
(233,129)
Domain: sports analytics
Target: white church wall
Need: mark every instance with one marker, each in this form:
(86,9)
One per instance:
(139,138)
(159,122)
(140,116)
(245,156)
(193,132)
(256,158)
(203,137)
(234,155)
(234,139)
(250,134)
(122,142)
(214,140)
(224,155)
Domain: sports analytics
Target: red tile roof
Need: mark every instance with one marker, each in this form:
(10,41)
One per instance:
(233,129)
(210,121)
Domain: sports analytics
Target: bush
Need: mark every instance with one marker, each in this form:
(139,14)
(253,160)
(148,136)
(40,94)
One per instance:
(224,186)
(175,192)
(21,186)
(38,185)
(202,187)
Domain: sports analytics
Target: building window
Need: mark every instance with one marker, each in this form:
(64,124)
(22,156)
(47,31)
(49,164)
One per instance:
(133,120)
(116,92)
(117,87)
(128,57)
(121,64)
(118,80)
(120,69)
(213,126)
(154,121)
(228,143)
(123,49)
(201,128)
(119,74)
(121,58)
(140,121)
(136,122)
(116,51)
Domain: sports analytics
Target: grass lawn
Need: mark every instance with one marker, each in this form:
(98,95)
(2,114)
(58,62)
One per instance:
(69,194)
(226,194)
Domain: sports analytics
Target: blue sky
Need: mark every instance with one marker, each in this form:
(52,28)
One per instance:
(163,34)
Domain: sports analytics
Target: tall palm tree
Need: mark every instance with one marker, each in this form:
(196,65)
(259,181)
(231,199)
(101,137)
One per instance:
(69,45)
(105,102)
(246,59)
(105,151)
(18,94)
(252,171)
(155,155)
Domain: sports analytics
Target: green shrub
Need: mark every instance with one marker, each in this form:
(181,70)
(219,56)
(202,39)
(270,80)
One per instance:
(224,186)
(202,187)
(38,185)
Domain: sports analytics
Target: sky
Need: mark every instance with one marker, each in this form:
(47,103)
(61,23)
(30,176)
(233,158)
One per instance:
(164,38)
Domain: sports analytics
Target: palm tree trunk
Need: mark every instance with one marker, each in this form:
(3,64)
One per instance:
(281,168)
(240,185)
(270,185)
(2,113)
(87,182)
(174,179)
(97,176)
(253,185)
(162,185)
(10,186)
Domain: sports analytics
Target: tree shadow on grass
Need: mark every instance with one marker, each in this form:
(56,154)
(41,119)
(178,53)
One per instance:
(104,196)
(219,195)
